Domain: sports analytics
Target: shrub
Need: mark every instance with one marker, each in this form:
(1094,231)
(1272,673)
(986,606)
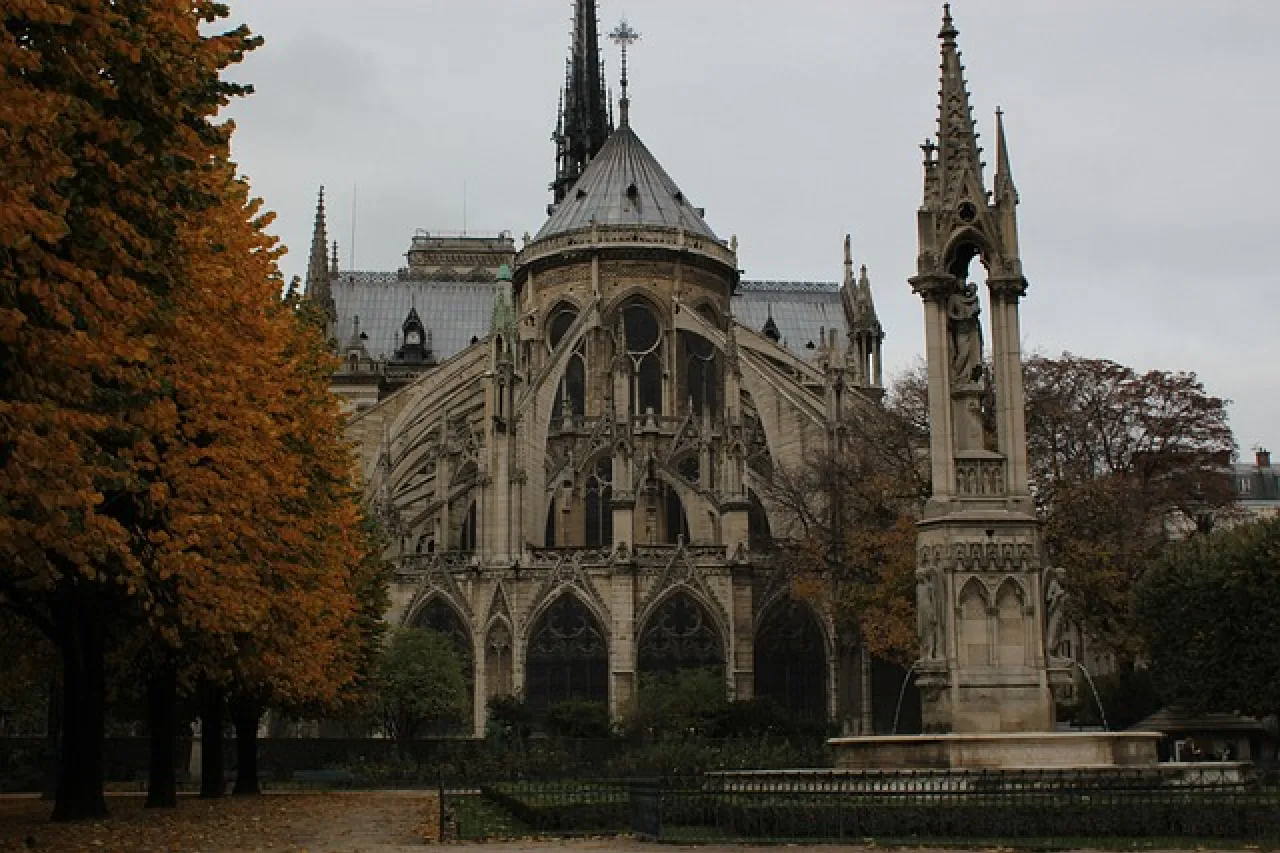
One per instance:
(578,719)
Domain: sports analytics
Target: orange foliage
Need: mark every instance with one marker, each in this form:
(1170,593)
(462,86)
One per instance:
(170,456)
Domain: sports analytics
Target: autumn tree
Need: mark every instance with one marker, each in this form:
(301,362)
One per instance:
(1207,612)
(850,512)
(105,113)
(1121,461)
(174,461)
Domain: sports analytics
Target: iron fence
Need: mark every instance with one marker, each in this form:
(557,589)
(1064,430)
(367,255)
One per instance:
(1164,802)
(566,806)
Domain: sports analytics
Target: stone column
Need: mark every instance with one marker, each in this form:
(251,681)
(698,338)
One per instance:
(1010,391)
(742,651)
(622,640)
(934,290)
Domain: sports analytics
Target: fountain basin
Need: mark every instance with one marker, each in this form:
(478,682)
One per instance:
(996,750)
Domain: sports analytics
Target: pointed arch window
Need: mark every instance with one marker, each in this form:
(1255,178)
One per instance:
(676,521)
(497,661)
(791,660)
(643,343)
(467,535)
(599,505)
(439,616)
(562,317)
(701,371)
(568,656)
(571,398)
(680,635)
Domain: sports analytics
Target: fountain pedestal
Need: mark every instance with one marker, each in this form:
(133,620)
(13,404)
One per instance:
(996,750)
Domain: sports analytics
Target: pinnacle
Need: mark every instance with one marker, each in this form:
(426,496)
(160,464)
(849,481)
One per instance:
(948,32)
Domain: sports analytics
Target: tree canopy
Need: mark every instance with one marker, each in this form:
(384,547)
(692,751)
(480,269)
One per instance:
(173,474)
(420,684)
(1121,461)
(852,509)
(1207,611)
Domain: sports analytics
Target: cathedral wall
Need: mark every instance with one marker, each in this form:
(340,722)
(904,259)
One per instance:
(464,465)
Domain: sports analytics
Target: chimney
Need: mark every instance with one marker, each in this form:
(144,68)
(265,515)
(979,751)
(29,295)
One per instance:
(1263,457)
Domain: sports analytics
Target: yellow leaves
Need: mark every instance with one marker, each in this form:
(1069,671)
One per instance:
(284,822)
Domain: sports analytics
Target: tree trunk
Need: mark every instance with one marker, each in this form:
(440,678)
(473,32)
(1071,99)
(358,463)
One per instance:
(83,647)
(162,722)
(213,781)
(245,715)
(53,739)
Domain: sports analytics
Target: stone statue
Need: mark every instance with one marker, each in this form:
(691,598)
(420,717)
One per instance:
(965,334)
(928,614)
(1055,599)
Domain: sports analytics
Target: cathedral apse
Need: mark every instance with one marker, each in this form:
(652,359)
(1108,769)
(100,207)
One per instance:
(568,441)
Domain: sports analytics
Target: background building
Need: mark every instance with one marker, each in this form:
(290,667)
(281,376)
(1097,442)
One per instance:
(568,443)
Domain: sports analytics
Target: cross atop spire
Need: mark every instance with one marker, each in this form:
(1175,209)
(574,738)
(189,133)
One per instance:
(583,124)
(624,36)
(948,32)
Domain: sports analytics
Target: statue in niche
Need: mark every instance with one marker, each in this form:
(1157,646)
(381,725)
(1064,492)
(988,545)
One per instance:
(1055,599)
(928,614)
(965,335)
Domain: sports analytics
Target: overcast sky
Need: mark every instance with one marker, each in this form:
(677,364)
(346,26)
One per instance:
(1142,133)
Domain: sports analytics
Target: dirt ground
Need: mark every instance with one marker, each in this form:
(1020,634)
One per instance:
(281,823)
(382,822)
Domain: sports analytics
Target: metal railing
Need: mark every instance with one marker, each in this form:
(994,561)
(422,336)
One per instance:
(1210,803)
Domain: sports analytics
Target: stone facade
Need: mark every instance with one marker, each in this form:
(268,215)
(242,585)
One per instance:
(575,498)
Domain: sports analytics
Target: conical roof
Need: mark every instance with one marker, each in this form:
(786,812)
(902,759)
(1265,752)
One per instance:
(625,185)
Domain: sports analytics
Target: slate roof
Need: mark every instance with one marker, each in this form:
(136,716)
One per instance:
(453,311)
(800,310)
(625,185)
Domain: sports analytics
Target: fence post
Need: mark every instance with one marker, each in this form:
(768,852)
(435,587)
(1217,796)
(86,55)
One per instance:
(440,800)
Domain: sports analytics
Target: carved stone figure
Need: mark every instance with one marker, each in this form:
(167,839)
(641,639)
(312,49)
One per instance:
(965,334)
(1055,599)
(928,613)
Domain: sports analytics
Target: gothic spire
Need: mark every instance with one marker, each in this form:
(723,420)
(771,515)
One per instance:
(957,149)
(1004,188)
(318,265)
(583,123)
(867,302)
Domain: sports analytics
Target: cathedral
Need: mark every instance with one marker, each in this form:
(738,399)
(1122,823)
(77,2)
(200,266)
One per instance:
(567,443)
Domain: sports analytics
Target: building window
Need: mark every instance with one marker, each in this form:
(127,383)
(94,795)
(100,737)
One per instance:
(467,536)
(438,616)
(791,661)
(599,509)
(643,339)
(1246,485)
(568,657)
(562,317)
(680,635)
(573,388)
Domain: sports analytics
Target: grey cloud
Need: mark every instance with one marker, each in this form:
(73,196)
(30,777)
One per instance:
(1140,136)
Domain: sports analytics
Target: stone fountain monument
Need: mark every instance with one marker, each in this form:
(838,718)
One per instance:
(989,611)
